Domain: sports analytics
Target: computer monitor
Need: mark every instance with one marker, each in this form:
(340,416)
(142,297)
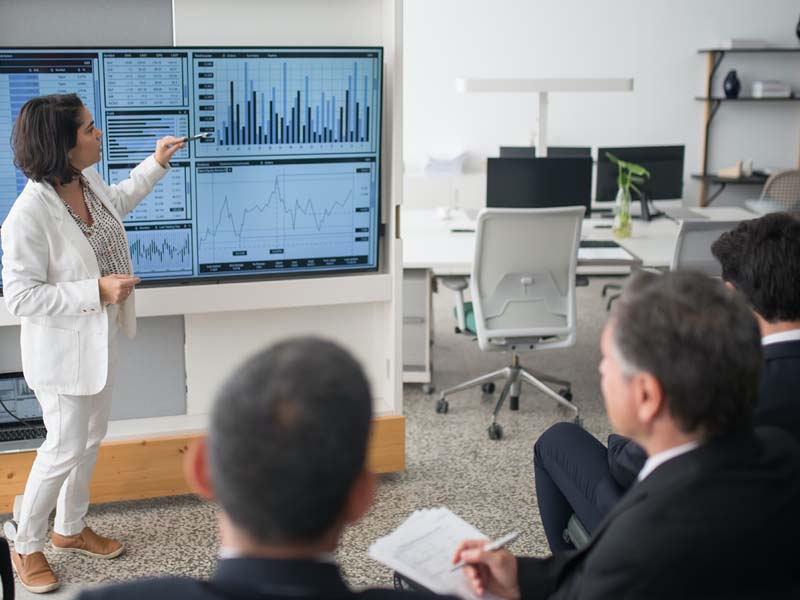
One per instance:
(286,182)
(665,164)
(539,182)
(552,151)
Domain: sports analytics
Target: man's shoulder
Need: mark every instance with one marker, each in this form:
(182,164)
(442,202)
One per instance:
(152,589)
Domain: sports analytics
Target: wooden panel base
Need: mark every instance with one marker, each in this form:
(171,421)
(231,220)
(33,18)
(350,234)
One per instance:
(132,470)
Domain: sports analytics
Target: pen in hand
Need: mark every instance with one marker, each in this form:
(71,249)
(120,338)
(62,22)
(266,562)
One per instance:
(500,542)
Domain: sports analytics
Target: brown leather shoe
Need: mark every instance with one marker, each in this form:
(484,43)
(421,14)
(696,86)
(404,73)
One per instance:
(87,542)
(34,573)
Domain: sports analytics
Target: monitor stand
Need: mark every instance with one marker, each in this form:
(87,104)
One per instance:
(649,211)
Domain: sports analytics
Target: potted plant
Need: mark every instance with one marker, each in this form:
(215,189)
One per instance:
(630,176)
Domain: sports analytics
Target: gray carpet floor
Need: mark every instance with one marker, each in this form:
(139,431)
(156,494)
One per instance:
(450,462)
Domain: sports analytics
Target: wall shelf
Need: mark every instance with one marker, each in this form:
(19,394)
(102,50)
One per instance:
(749,180)
(744,50)
(712,105)
(745,99)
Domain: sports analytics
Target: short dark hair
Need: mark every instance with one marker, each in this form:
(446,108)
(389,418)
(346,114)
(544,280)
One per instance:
(45,131)
(761,258)
(288,438)
(699,340)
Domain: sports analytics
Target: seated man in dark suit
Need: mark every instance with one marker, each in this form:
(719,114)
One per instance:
(575,473)
(713,513)
(285,458)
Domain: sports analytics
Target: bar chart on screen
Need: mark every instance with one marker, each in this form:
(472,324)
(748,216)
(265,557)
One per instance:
(310,213)
(284,103)
(25,77)
(132,135)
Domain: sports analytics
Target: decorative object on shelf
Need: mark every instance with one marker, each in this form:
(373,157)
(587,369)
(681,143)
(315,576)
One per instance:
(732,85)
(733,172)
(771,89)
(630,174)
(797,29)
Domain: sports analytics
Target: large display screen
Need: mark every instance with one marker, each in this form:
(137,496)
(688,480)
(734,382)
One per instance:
(286,182)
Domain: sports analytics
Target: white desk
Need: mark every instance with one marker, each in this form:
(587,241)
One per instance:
(431,249)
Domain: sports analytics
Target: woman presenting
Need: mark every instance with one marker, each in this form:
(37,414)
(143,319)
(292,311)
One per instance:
(68,275)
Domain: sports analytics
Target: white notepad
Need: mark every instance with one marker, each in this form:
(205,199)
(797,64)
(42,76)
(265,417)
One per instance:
(422,549)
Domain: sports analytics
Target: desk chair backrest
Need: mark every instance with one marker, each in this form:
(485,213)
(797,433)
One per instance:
(523,276)
(693,246)
(782,190)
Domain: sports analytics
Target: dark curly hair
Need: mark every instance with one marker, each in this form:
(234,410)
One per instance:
(45,131)
(761,258)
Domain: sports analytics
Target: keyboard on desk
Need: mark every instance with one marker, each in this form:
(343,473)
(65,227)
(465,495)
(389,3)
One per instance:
(15,434)
(599,244)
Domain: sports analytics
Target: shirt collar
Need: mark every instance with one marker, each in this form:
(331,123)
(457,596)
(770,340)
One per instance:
(655,461)
(784,336)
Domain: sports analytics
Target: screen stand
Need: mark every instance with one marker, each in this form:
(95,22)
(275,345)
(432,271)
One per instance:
(649,211)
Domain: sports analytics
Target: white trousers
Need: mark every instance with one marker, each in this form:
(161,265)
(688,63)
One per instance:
(61,473)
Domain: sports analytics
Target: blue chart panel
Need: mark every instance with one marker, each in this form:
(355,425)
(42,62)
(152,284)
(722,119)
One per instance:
(161,250)
(145,79)
(25,76)
(132,135)
(169,200)
(261,215)
(286,103)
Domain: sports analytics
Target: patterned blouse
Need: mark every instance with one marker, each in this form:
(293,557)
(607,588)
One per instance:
(106,235)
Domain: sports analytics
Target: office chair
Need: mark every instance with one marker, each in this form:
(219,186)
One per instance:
(781,193)
(6,573)
(523,298)
(693,246)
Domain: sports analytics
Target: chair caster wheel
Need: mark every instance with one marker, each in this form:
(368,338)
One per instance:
(488,388)
(10,530)
(566,394)
(428,388)
(442,406)
(578,421)
(513,402)
(495,431)
(457,329)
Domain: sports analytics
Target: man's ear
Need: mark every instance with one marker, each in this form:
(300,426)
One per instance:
(730,286)
(649,398)
(196,469)
(361,495)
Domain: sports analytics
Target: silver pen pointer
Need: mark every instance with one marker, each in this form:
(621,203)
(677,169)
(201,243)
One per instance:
(500,542)
(199,136)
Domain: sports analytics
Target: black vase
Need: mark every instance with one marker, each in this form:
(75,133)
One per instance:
(731,85)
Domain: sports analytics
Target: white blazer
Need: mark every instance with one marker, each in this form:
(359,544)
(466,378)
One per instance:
(50,275)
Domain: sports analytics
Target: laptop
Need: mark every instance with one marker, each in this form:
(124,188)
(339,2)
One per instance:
(21,424)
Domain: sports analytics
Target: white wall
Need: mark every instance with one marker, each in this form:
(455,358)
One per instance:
(653,41)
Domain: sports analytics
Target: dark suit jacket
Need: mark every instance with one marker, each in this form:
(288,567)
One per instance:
(717,522)
(250,579)
(779,395)
(778,405)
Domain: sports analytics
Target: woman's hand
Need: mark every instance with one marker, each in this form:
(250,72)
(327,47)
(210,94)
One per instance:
(115,289)
(494,571)
(166,147)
